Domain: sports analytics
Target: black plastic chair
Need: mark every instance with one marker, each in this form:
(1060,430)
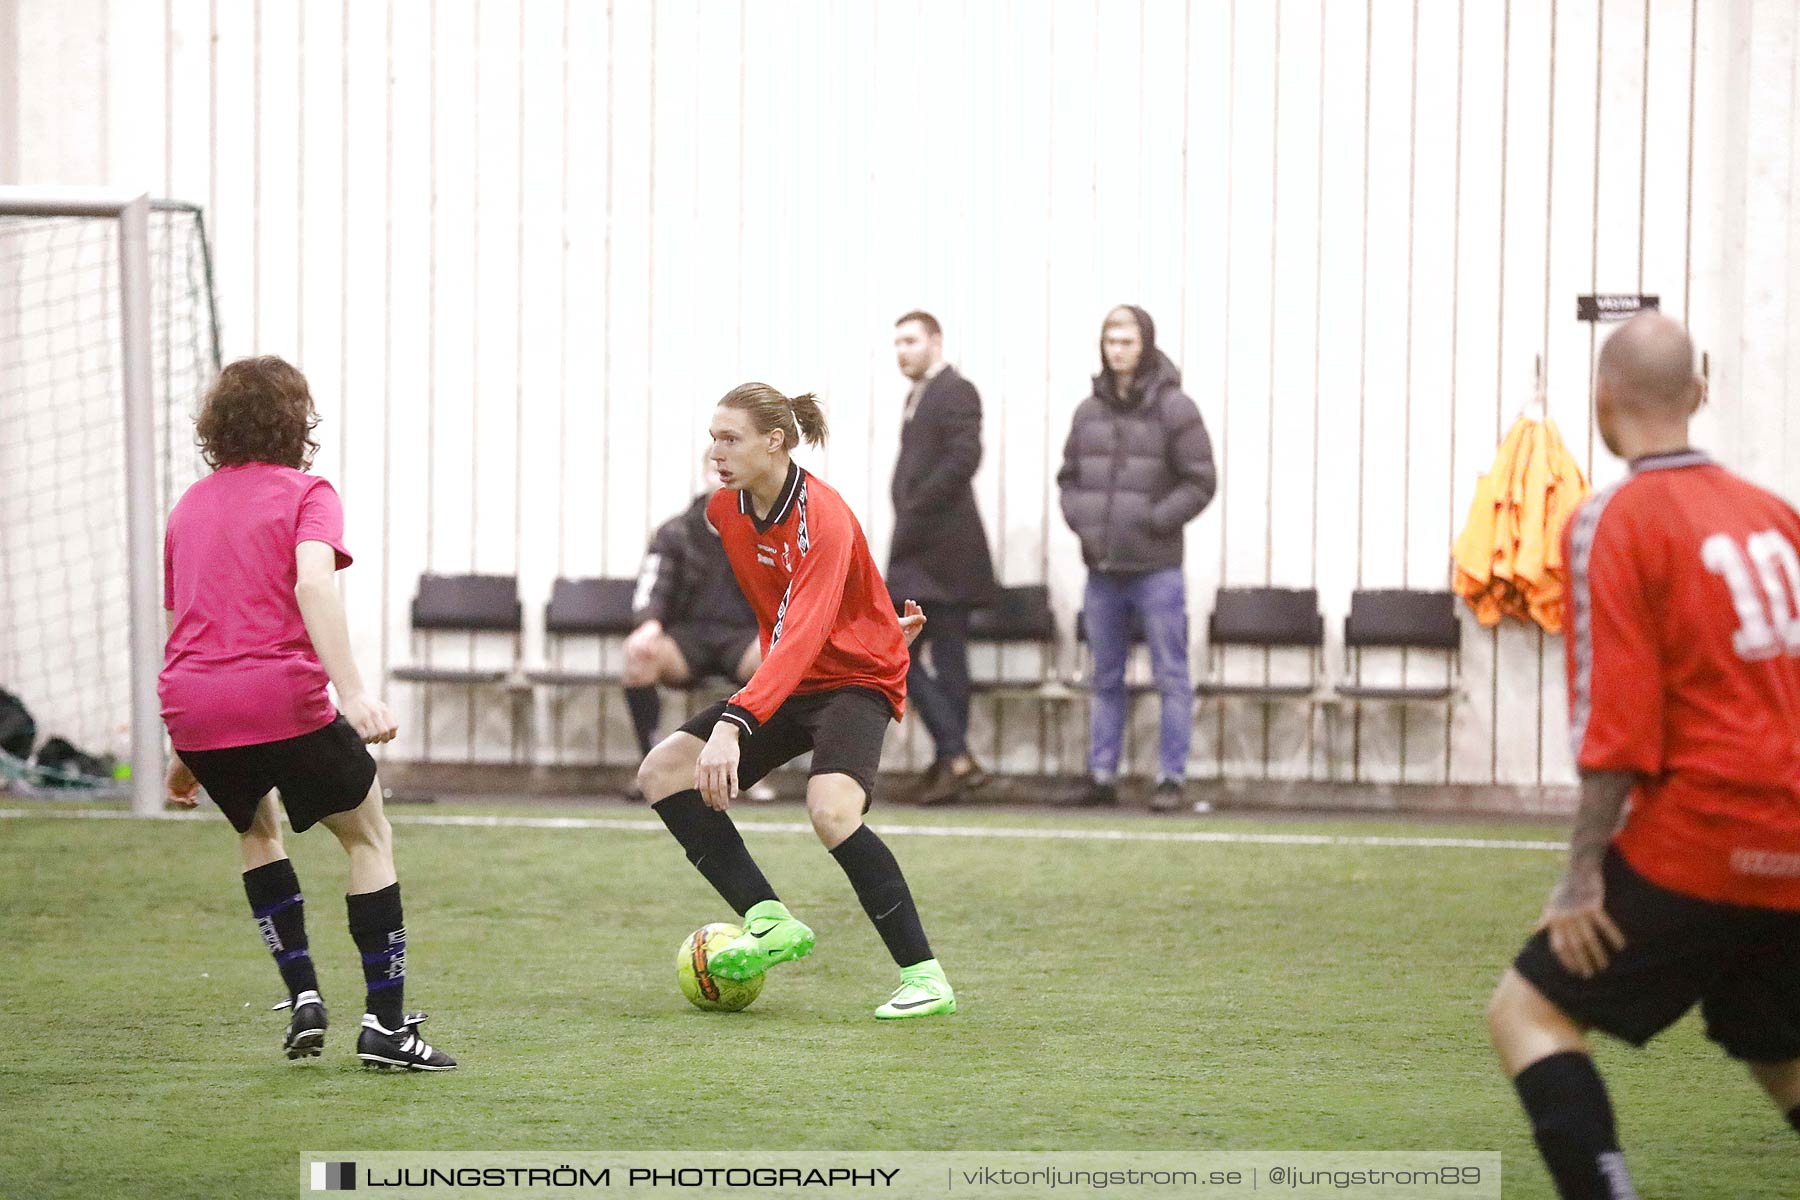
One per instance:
(1270,618)
(1401,620)
(475,605)
(464,604)
(585,608)
(1394,620)
(1018,616)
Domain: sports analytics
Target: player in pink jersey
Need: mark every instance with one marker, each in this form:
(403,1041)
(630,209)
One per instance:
(1683,648)
(256,631)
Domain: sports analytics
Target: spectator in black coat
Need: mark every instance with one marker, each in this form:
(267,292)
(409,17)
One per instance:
(939,554)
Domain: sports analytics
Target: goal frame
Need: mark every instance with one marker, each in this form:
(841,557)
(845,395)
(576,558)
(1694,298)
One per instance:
(131,214)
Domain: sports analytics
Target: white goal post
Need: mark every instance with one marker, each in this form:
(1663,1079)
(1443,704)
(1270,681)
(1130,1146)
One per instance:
(75,347)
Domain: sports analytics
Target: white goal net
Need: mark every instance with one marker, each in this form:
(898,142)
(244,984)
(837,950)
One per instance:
(104,354)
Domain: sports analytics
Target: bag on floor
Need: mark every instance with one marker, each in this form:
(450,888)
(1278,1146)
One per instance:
(18,732)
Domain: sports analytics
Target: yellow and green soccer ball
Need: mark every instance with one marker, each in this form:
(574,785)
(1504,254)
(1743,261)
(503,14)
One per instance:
(699,984)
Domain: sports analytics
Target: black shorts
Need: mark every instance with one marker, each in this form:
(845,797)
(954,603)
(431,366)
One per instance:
(844,729)
(712,649)
(320,773)
(1741,965)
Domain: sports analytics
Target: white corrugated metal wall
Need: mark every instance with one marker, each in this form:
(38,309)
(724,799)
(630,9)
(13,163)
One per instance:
(520,245)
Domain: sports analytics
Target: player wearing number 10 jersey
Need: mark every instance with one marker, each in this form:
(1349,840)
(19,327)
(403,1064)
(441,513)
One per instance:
(1683,655)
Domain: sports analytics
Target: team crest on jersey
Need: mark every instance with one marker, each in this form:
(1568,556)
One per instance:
(787,558)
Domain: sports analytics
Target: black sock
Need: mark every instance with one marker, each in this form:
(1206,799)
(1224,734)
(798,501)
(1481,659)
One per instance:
(715,848)
(884,894)
(1572,1122)
(379,929)
(1794,1117)
(275,902)
(645,704)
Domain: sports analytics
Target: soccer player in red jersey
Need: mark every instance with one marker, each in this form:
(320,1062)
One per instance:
(256,630)
(833,675)
(1683,884)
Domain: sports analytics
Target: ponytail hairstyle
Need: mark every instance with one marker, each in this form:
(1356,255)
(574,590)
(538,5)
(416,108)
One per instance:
(798,417)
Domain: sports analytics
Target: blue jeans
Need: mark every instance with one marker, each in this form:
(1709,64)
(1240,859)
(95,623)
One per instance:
(1159,600)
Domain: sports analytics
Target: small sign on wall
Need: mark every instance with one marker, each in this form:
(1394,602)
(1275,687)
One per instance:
(1613,307)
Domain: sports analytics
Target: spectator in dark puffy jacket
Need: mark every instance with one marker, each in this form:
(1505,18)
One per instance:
(1137,467)
(691,619)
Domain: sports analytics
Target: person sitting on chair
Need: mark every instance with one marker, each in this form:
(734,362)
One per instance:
(690,620)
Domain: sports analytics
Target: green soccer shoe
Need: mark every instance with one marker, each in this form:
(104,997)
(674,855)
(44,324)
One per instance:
(923,992)
(771,935)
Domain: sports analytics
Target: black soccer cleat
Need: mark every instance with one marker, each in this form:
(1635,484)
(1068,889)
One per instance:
(386,1049)
(306,1031)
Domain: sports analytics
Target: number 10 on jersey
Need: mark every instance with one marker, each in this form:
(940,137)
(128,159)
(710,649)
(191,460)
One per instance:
(1764,577)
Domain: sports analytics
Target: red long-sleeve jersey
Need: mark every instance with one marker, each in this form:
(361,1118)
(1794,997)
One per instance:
(825,617)
(1684,669)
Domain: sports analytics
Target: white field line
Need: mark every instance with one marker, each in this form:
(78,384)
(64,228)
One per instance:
(1018,833)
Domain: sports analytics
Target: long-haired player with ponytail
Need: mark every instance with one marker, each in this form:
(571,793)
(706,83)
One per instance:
(833,675)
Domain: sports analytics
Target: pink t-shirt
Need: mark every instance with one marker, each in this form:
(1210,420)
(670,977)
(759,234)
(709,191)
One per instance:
(240,669)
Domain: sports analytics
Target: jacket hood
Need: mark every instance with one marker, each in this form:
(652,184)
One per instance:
(1154,367)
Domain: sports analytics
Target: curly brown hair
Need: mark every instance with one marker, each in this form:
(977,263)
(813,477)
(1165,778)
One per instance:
(258,410)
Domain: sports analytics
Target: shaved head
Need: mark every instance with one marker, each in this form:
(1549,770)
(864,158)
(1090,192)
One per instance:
(1649,363)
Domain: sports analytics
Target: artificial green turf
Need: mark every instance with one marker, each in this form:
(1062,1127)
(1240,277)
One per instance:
(1117,995)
